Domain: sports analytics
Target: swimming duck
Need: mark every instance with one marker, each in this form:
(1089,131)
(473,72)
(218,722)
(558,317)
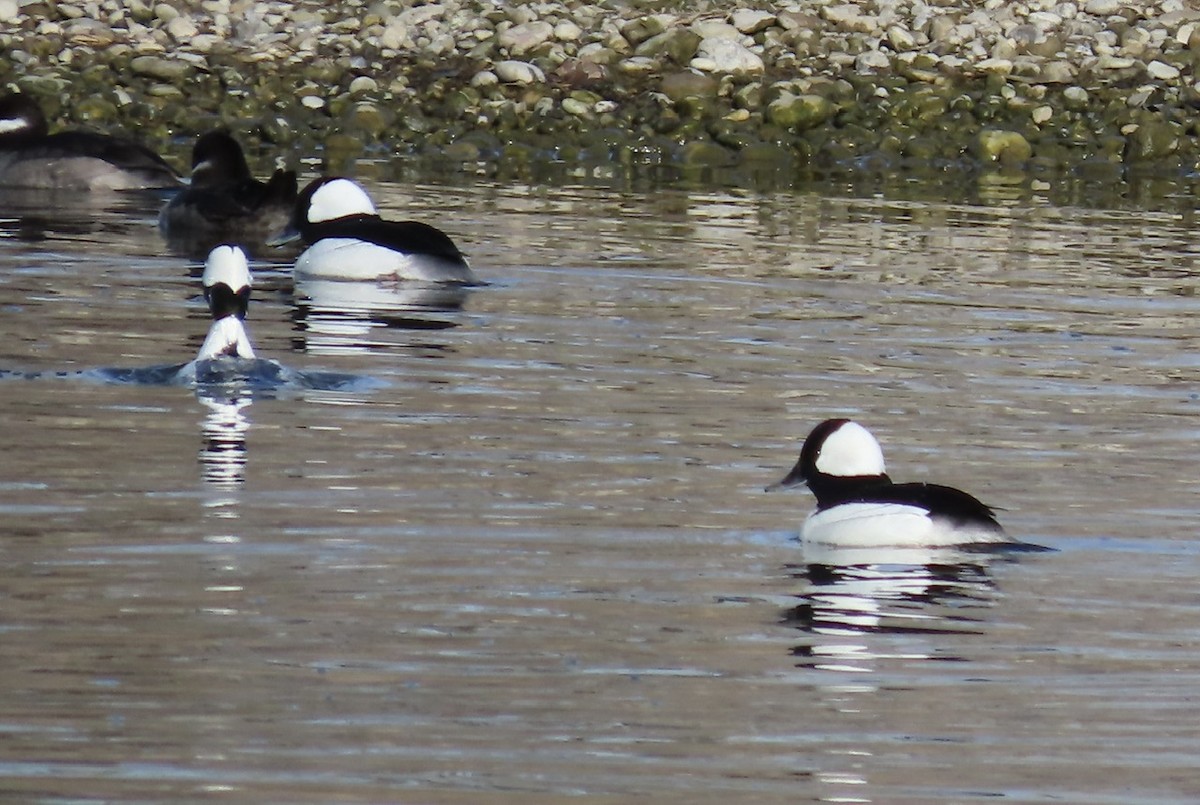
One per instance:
(347,239)
(31,157)
(858,505)
(224,202)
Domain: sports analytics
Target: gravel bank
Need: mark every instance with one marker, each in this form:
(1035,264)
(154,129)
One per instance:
(1036,84)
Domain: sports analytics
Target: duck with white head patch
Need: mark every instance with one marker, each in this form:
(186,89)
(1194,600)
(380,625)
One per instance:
(32,158)
(227,290)
(225,202)
(858,505)
(347,239)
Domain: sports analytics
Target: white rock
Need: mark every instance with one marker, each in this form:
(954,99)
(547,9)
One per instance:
(1041,114)
(485,78)
(567,31)
(1076,94)
(751,21)
(871,61)
(394,35)
(524,38)
(182,28)
(727,56)
(1001,66)
(511,71)
(364,83)
(1103,8)
(715,29)
(312,102)
(576,107)
(1162,71)
(900,38)
(9,10)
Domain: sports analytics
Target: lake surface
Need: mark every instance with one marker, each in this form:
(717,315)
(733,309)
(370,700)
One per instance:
(530,559)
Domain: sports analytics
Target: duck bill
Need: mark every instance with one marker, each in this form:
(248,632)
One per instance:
(284,236)
(793,478)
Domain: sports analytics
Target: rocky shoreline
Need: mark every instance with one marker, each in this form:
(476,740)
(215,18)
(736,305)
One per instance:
(1040,85)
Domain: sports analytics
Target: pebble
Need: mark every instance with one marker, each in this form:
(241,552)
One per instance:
(1016,62)
(719,55)
(1162,71)
(512,71)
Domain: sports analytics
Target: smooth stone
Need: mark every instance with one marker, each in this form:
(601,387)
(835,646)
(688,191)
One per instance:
(639,30)
(511,71)
(1162,71)
(1103,8)
(728,56)
(637,66)
(872,61)
(1056,72)
(688,84)
(521,39)
(567,31)
(10,10)
(679,44)
(576,107)
(900,38)
(363,84)
(181,29)
(715,29)
(1152,140)
(997,66)
(1006,147)
(1042,114)
(751,21)
(1076,98)
(160,68)
(799,112)
(485,78)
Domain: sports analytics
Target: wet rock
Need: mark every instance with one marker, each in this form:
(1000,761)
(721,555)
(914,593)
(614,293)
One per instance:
(799,112)
(1005,147)
(688,84)
(641,29)
(160,68)
(1152,140)
(716,55)
(678,44)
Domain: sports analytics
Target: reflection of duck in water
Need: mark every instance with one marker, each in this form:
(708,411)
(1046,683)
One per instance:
(854,615)
(858,505)
(223,454)
(31,157)
(348,240)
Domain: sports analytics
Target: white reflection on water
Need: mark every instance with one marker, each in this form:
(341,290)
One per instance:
(339,316)
(850,594)
(223,452)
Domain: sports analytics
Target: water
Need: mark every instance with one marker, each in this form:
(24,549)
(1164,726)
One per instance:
(531,559)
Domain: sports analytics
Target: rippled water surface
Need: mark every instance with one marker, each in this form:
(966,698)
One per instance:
(526,556)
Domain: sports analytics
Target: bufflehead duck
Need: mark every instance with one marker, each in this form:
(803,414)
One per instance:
(31,157)
(227,290)
(224,202)
(347,239)
(859,506)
